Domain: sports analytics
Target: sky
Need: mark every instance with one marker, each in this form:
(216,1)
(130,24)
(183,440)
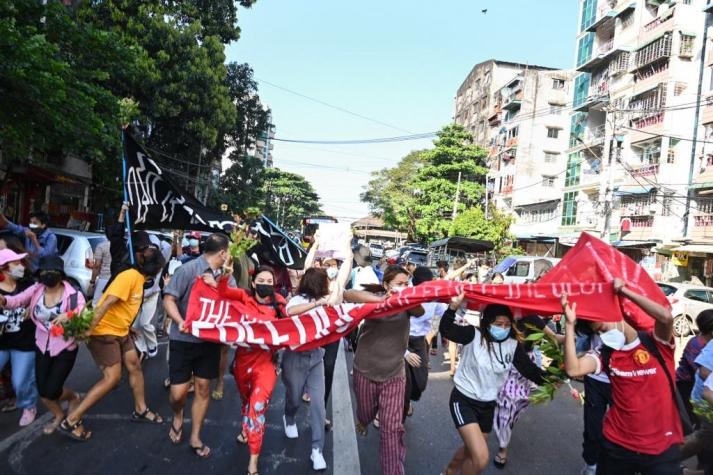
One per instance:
(396,62)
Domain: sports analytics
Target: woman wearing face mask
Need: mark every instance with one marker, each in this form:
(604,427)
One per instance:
(17,336)
(379,373)
(253,367)
(634,441)
(48,302)
(489,353)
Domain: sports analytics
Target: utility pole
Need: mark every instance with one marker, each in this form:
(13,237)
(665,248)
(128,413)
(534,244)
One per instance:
(487,195)
(455,202)
(694,145)
(608,191)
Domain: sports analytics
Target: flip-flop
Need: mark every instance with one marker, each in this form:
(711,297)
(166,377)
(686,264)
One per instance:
(217,395)
(197,451)
(500,461)
(51,427)
(241,438)
(177,433)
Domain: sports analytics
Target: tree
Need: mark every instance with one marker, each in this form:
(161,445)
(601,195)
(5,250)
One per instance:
(289,198)
(418,195)
(242,185)
(496,228)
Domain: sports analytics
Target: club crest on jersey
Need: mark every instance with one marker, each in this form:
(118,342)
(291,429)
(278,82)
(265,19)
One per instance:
(641,357)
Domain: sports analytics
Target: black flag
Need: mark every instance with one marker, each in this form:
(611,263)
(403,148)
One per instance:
(276,247)
(157,203)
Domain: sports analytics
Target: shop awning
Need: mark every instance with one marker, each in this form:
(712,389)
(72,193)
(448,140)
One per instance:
(636,190)
(641,244)
(698,248)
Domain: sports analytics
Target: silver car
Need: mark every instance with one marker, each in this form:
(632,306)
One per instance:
(76,248)
(687,302)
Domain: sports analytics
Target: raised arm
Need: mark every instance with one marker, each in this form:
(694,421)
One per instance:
(363,296)
(309,260)
(50,247)
(449,328)
(454,274)
(20,300)
(664,320)
(575,367)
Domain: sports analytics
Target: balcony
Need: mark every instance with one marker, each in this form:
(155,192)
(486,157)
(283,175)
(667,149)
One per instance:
(656,22)
(645,171)
(654,51)
(494,117)
(588,138)
(511,142)
(598,97)
(606,14)
(648,120)
(514,101)
(601,56)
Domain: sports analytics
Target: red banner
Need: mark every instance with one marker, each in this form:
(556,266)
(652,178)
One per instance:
(585,274)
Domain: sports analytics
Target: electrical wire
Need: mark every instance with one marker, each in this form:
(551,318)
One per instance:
(402,138)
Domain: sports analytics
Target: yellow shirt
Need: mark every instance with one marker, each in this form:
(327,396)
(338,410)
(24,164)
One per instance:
(128,287)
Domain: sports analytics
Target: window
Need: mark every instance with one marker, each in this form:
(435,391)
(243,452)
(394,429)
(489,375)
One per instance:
(548,181)
(553,132)
(574,168)
(555,110)
(63,243)
(697,295)
(569,209)
(551,157)
(686,48)
(667,289)
(581,89)
(671,154)
(627,19)
(589,14)
(584,49)
(520,269)
(558,83)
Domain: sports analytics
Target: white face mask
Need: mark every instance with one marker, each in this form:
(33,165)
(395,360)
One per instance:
(396,290)
(34,227)
(17,272)
(614,339)
(332,272)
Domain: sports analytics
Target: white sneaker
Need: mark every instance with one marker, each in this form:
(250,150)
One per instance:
(318,462)
(290,429)
(589,470)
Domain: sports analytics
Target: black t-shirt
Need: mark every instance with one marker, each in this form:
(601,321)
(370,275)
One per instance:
(17,330)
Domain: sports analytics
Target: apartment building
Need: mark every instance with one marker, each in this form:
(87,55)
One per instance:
(633,122)
(529,124)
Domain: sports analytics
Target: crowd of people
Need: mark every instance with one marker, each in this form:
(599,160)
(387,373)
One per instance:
(142,285)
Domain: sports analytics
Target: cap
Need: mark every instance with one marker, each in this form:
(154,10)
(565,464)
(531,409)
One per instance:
(362,255)
(52,263)
(8,255)
(195,234)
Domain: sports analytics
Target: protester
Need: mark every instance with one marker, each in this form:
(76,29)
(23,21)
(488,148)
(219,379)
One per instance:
(194,242)
(305,369)
(144,331)
(489,353)
(39,241)
(363,274)
(686,371)
(110,342)
(417,352)
(101,272)
(379,377)
(497,279)
(442,269)
(17,335)
(460,265)
(253,367)
(189,357)
(48,302)
(633,440)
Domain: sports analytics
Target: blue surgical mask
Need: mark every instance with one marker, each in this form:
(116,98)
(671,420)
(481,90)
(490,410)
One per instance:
(193,242)
(499,333)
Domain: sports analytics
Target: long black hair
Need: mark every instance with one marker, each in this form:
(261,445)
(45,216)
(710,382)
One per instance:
(490,313)
(275,306)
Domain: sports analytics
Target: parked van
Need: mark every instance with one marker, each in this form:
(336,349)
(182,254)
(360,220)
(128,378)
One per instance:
(520,269)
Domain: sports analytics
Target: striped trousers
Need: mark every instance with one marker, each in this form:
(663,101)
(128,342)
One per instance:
(387,399)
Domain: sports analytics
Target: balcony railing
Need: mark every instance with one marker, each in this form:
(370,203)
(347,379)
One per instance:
(658,21)
(705,207)
(642,221)
(704,220)
(605,47)
(646,170)
(648,120)
(511,142)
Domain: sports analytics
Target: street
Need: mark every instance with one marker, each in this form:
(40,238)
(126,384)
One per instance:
(546,439)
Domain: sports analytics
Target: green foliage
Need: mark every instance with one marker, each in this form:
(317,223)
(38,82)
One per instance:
(240,241)
(242,185)
(289,198)
(472,223)
(704,410)
(417,196)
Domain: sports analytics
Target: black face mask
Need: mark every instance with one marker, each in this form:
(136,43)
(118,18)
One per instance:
(50,279)
(263,290)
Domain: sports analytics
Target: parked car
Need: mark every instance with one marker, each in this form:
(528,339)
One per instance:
(687,301)
(520,269)
(76,248)
(416,256)
(377,250)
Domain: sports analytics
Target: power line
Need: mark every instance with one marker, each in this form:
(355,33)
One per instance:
(327,104)
(402,138)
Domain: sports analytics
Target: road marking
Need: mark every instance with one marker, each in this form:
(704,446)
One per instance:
(345,451)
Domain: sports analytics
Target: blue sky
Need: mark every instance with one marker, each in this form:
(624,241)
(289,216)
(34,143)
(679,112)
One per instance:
(396,61)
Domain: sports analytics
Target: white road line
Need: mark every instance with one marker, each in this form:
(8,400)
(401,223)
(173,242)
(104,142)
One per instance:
(26,432)
(345,449)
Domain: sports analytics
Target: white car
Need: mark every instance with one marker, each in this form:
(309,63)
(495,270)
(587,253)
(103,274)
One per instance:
(377,250)
(520,269)
(687,301)
(76,248)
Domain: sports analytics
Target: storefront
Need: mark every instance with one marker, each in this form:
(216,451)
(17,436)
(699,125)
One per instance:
(692,262)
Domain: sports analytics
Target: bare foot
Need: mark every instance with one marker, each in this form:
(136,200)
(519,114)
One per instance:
(52,426)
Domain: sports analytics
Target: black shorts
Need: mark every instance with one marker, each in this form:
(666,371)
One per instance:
(465,410)
(186,359)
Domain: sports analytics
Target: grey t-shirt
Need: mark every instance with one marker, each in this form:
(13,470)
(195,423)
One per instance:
(180,287)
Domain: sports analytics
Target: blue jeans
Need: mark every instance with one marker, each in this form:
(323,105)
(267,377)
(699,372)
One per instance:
(23,376)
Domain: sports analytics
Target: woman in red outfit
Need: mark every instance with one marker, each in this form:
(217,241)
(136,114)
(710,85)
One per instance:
(253,367)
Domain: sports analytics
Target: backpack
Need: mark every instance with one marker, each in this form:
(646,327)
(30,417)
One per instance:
(650,345)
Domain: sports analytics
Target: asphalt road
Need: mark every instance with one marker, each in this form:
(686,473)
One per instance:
(547,439)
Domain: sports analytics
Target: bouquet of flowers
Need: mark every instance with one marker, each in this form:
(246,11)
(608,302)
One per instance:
(556,375)
(240,242)
(76,325)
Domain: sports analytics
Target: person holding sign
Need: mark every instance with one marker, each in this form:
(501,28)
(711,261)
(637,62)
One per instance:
(640,366)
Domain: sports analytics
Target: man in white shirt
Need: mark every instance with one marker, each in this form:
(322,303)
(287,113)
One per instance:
(364,273)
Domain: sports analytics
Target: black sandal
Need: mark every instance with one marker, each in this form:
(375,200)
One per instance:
(65,428)
(500,461)
(242,438)
(136,417)
(197,451)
